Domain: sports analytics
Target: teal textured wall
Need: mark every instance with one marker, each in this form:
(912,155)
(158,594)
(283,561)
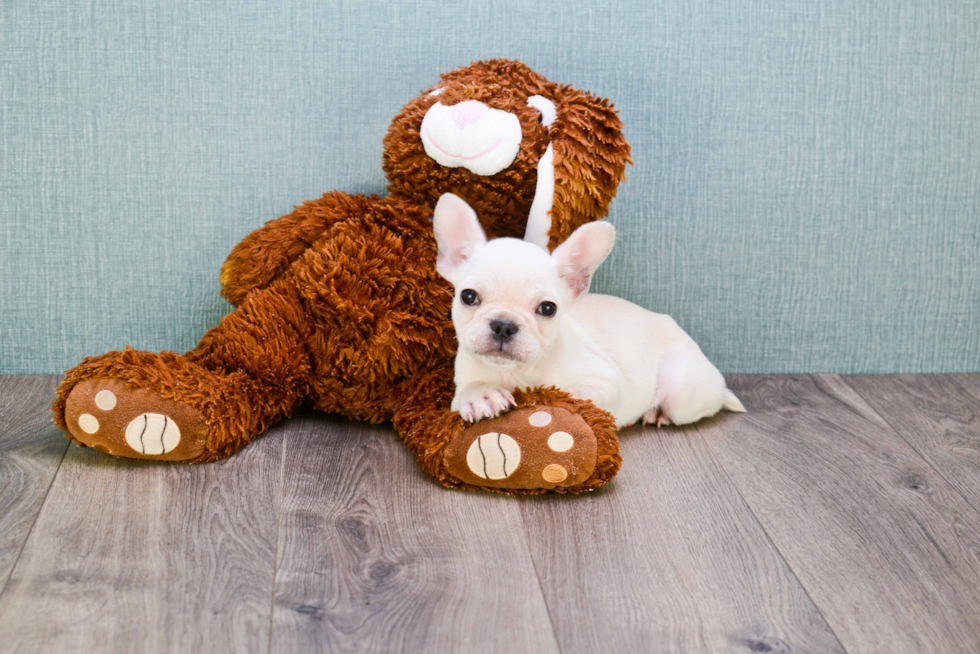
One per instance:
(806,194)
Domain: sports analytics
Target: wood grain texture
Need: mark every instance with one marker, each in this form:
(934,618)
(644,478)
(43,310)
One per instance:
(818,521)
(887,549)
(938,416)
(374,556)
(135,556)
(31,449)
(667,559)
(969,382)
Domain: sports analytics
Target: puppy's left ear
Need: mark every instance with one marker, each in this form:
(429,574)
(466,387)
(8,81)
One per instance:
(458,234)
(579,256)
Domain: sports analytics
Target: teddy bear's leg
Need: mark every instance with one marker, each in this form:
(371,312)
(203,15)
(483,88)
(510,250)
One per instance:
(248,372)
(264,255)
(549,441)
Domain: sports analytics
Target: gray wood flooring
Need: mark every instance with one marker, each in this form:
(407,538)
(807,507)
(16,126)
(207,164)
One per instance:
(838,514)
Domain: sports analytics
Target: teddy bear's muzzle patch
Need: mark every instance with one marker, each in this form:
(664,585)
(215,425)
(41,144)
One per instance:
(471,135)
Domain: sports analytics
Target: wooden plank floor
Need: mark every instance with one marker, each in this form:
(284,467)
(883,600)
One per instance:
(839,514)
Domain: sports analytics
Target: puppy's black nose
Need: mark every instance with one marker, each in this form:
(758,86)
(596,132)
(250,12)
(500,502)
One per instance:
(502,330)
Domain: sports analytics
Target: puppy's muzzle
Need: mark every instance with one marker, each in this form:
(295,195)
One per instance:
(503,330)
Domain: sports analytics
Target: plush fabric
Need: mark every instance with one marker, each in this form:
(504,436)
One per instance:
(339,305)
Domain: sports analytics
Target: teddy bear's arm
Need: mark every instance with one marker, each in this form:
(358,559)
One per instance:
(265,254)
(548,441)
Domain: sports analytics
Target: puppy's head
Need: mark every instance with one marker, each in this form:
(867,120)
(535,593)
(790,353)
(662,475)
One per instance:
(510,295)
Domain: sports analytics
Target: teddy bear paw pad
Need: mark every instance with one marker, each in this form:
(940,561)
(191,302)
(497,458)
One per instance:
(116,418)
(152,433)
(528,448)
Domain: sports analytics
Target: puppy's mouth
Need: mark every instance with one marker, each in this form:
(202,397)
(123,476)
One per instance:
(497,355)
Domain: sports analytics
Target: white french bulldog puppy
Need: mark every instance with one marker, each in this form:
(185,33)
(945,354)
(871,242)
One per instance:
(524,318)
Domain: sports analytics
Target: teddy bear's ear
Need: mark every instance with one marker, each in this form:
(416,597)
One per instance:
(590,157)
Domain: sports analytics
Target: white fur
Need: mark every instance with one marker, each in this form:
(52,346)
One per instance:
(631,362)
(539,216)
(485,146)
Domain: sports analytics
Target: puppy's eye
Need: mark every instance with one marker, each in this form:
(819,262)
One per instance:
(547,309)
(469,297)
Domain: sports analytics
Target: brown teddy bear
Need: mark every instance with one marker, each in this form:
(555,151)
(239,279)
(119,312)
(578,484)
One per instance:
(339,304)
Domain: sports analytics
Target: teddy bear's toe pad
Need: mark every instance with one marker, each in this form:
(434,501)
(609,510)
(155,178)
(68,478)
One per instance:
(529,448)
(123,420)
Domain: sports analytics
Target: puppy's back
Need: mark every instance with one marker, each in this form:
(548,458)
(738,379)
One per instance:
(628,331)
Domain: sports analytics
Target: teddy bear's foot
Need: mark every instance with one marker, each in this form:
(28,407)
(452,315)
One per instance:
(531,448)
(119,419)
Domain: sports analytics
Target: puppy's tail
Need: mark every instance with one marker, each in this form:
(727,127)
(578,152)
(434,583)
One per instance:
(732,403)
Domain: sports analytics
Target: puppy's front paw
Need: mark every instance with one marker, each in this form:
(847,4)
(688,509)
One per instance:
(592,393)
(478,402)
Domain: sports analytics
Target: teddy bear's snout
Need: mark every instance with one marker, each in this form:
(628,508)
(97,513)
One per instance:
(466,113)
(471,135)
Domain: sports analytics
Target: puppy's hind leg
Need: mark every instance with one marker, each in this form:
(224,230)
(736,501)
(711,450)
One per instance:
(689,388)
(655,416)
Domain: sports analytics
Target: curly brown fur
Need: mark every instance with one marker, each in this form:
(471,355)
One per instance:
(591,154)
(382,313)
(268,252)
(247,373)
(503,200)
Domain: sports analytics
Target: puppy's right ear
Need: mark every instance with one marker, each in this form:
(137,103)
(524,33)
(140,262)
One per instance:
(458,234)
